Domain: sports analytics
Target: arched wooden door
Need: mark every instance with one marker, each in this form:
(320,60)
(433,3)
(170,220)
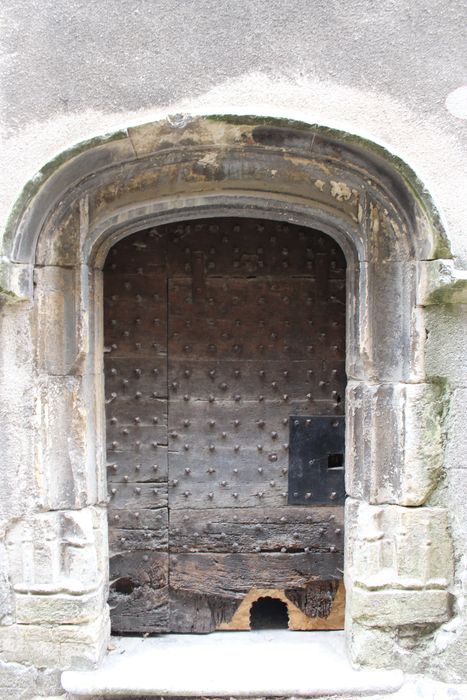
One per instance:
(225,383)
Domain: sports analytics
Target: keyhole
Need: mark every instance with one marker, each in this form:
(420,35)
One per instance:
(336,460)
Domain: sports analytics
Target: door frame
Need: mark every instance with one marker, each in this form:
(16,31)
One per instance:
(388,228)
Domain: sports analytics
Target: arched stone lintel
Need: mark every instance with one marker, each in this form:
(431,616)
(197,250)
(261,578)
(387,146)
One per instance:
(343,171)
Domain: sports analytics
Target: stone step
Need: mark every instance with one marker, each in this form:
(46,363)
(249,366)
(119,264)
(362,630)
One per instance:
(260,664)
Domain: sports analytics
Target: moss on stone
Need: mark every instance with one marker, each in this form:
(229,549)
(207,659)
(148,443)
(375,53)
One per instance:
(8,297)
(34,184)
(450,293)
(410,178)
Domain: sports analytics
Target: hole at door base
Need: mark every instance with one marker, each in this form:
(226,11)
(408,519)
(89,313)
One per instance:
(124,585)
(269,614)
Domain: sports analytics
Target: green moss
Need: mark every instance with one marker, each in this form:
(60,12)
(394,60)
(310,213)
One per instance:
(251,120)
(450,293)
(8,297)
(412,181)
(36,182)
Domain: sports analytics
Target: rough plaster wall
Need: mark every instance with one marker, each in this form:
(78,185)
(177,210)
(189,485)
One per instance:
(72,70)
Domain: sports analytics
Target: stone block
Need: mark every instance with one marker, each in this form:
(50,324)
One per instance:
(25,681)
(456,437)
(394,608)
(440,283)
(16,279)
(371,646)
(388,343)
(58,552)
(446,327)
(66,468)
(60,608)
(6,594)
(394,441)
(397,547)
(17,411)
(77,646)
(57,309)
(456,485)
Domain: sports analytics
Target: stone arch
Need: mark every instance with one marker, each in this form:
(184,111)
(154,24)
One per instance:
(389,230)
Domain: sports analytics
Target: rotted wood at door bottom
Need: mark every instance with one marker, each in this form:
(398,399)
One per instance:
(222,560)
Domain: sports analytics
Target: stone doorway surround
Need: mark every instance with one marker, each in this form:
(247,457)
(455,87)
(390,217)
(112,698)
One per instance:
(399,563)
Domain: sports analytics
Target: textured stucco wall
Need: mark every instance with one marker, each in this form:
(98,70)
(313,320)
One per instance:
(73,70)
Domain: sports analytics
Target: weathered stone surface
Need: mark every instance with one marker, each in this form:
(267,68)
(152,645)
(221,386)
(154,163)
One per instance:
(390,336)
(439,282)
(445,345)
(57,308)
(6,595)
(371,646)
(60,608)
(17,415)
(456,443)
(398,548)
(394,441)
(18,682)
(58,552)
(392,608)
(69,457)
(57,646)
(16,281)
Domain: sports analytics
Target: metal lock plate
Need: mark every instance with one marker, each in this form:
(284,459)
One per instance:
(316,460)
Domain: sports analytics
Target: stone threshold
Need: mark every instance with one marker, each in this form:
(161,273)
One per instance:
(272,663)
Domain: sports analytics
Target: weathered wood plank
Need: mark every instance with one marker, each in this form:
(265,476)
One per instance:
(152,518)
(136,496)
(135,434)
(211,328)
(125,376)
(316,599)
(144,611)
(138,463)
(257,529)
(138,595)
(247,247)
(192,613)
(138,530)
(251,378)
(214,574)
(145,250)
(124,469)
(225,423)
(217,496)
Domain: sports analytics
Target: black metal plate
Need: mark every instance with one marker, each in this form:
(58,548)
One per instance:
(316,460)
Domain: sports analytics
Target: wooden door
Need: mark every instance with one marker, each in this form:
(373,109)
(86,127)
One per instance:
(229,336)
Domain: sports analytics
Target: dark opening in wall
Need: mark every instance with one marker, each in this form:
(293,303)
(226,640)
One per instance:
(269,614)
